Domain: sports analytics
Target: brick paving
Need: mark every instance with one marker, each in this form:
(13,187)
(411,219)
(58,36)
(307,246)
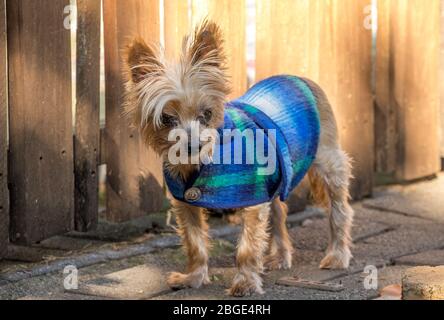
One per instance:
(401,227)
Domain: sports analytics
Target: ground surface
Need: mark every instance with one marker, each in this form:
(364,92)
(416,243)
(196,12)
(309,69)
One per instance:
(400,227)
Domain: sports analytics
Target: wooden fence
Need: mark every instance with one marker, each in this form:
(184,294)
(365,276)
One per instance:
(49,176)
(407,88)
(441,80)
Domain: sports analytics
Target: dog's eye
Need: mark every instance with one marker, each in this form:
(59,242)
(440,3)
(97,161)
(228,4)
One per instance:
(208,114)
(206,117)
(168,121)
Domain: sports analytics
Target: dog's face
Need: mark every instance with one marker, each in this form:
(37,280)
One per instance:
(163,96)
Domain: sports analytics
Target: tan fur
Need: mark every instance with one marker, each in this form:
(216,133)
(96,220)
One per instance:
(330,179)
(184,90)
(280,250)
(193,229)
(251,249)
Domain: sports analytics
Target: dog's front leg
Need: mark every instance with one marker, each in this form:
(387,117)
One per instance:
(193,229)
(251,250)
(281,249)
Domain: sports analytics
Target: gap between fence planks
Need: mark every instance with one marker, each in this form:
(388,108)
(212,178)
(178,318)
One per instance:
(385,112)
(40,108)
(408,88)
(87,129)
(4,193)
(134,173)
(327,42)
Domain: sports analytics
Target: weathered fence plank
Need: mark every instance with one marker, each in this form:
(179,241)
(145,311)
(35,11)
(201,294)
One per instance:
(177,25)
(283,38)
(4,193)
(40,102)
(413,86)
(441,80)
(134,174)
(231,16)
(385,112)
(352,43)
(327,42)
(87,130)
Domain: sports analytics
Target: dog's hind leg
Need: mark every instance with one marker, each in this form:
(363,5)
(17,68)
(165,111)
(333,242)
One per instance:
(329,176)
(280,249)
(251,249)
(193,229)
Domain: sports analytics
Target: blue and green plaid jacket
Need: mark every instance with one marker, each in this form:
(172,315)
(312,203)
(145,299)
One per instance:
(283,103)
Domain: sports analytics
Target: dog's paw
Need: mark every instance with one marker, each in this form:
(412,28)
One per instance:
(177,280)
(336,259)
(278,261)
(195,280)
(243,286)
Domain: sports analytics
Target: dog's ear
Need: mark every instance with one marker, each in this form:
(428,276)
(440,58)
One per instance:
(141,60)
(206,45)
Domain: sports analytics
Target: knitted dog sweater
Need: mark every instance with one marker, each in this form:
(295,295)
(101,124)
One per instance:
(283,103)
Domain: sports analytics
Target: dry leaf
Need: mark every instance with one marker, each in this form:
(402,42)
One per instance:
(393,291)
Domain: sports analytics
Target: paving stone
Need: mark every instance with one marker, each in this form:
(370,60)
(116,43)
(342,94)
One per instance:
(141,282)
(390,275)
(63,297)
(309,213)
(357,284)
(306,266)
(132,270)
(423,283)
(424,199)
(272,292)
(44,287)
(432,258)
(138,277)
(403,241)
(353,284)
(306,262)
(51,285)
(315,236)
(387,218)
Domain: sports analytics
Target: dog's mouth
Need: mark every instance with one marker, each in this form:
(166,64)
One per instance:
(192,151)
(186,155)
(190,161)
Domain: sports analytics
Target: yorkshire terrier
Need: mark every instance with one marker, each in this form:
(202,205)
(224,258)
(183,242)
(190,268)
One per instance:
(162,95)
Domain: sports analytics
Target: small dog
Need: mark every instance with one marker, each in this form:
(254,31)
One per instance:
(162,96)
